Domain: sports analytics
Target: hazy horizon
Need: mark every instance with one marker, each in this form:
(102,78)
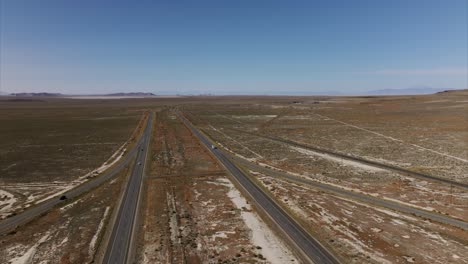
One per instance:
(242,47)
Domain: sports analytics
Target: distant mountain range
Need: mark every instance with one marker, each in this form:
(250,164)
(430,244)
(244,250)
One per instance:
(404,91)
(36,94)
(45,94)
(407,91)
(129,94)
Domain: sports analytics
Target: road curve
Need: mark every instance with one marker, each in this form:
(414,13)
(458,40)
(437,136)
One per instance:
(358,159)
(119,247)
(310,247)
(357,196)
(11,223)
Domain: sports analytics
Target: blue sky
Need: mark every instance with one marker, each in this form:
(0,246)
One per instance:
(232,47)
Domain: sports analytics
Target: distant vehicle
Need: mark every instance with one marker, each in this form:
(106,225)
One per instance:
(63,197)
(139,163)
(213,147)
(141,149)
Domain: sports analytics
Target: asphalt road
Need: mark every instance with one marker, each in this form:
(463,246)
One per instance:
(11,223)
(120,245)
(360,160)
(357,196)
(310,247)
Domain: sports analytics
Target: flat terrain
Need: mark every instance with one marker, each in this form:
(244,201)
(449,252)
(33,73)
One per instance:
(50,146)
(120,244)
(193,213)
(418,133)
(296,149)
(70,233)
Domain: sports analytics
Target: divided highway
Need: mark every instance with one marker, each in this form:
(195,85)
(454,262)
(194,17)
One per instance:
(29,214)
(357,196)
(309,247)
(120,245)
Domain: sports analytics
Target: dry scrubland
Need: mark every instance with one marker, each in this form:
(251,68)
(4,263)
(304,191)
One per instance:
(420,133)
(70,233)
(50,146)
(192,212)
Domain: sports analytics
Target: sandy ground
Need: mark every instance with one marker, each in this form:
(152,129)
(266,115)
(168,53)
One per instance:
(419,133)
(70,233)
(363,234)
(18,195)
(351,175)
(193,213)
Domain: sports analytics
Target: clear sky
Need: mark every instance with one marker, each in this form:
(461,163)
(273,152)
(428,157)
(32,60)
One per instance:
(232,47)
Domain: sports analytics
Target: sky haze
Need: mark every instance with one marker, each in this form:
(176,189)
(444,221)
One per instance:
(231,47)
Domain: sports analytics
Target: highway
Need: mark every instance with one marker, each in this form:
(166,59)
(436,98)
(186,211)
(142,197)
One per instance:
(304,242)
(356,196)
(11,223)
(360,160)
(120,246)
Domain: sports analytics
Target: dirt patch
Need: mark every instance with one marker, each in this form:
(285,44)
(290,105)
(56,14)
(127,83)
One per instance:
(189,215)
(361,233)
(70,233)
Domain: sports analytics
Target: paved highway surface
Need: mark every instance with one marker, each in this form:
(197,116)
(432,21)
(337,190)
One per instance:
(360,160)
(27,215)
(120,246)
(310,247)
(357,196)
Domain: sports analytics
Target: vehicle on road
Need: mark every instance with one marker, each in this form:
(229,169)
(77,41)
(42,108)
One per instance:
(120,246)
(313,251)
(63,197)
